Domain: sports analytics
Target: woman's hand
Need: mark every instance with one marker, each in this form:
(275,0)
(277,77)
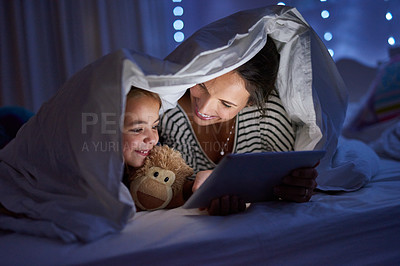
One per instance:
(220,206)
(298,186)
(226,205)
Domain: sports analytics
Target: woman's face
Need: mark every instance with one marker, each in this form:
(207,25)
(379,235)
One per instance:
(218,100)
(140,129)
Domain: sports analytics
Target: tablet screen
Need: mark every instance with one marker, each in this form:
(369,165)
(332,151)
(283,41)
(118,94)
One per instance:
(251,176)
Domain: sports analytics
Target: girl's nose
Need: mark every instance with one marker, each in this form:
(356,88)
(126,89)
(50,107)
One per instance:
(151,137)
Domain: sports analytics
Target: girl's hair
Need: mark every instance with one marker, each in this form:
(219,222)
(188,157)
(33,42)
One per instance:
(137,92)
(260,73)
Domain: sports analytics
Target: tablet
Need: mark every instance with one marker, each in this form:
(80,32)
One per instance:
(251,176)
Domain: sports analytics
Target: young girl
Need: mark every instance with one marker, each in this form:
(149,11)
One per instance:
(140,133)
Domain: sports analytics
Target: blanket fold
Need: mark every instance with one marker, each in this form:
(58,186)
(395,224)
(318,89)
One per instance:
(63,169)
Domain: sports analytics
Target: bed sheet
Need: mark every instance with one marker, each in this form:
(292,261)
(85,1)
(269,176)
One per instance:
(361,227)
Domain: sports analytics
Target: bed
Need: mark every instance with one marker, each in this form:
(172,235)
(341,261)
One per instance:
(357,228)
(353,219)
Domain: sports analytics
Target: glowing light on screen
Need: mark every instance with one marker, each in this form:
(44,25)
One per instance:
(328,36)
(325,14)
(389,16)
(178,24)
(323,0)
(176,1)
(179,36)
(178,11)
(391,40)
(281,4)
(331,52)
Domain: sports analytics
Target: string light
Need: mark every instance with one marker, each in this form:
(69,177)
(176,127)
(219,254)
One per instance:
(328,36)
(389,16)
(178,11)
(179,36)
(178,24)
(325,14)
(391,40)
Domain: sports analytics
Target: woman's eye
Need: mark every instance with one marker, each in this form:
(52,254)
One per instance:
(226,105)
(156,127)
(203,86)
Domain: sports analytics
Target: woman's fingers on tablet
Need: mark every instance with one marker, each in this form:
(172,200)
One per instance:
(234,204)
(214,208)
(303,177)
(293,193)
(226,205)
(242,205)
(219,206)
(237,204)
(300,182)
(305,173)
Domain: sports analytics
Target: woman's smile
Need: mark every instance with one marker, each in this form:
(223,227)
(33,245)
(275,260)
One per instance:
(203,116)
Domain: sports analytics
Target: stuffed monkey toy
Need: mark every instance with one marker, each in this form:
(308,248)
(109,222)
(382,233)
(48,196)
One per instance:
(159,182)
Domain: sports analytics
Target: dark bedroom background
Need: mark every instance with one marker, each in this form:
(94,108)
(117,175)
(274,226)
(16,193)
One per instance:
(44,42)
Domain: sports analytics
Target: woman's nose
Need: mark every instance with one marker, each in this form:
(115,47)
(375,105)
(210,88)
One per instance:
(207,106)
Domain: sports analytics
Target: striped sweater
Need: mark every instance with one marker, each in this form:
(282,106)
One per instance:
(253,133)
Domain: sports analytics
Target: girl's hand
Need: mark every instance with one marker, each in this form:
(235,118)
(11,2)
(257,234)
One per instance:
(298,186)
(200,178)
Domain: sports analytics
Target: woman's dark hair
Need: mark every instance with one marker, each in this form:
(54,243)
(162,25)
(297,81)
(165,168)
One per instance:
(259,74)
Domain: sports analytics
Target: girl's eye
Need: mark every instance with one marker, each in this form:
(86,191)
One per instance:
(155,127)
(136,130)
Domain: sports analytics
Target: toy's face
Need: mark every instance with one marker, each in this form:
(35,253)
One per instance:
(140,129)
(154,190)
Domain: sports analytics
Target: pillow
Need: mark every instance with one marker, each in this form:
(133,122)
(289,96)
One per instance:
(380,108)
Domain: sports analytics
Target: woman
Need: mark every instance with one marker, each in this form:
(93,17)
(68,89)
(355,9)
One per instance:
(239,112)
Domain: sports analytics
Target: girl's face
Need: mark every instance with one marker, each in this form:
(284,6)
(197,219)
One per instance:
(218,100)
(140,129)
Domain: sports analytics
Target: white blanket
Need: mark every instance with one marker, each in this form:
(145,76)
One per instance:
(63,169)
(388,144)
